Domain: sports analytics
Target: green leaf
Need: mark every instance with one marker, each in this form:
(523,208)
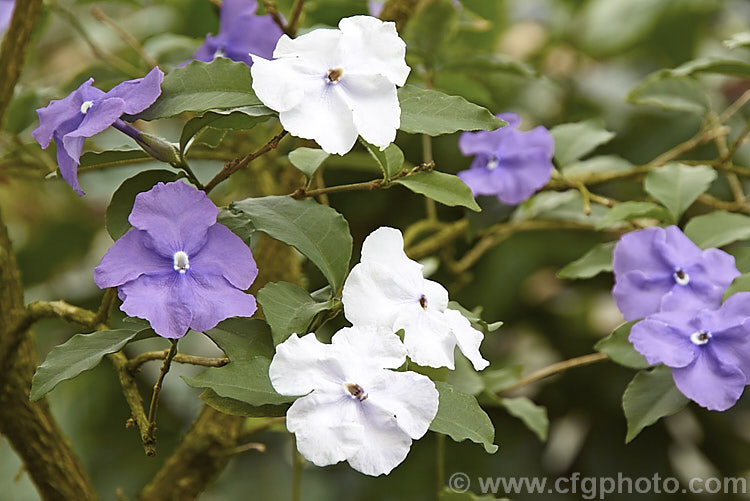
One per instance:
(671,93)
(677,186)
(562,205)
(712,65)
(441,187)
(242,338)
(78,354)
(474,318)
(244,380)
(426,111)
(317,231)
(199,87)
(239,223)
(500,379)
(307,160)
(460,417)
(739,284)
(533,416)
(595,261)
(223,120)
(574,140)
(430,27)
(104,159)
(390,160)
(718,229)
(237,408)
(650,396)
(289,309)
(626,211)
(740,39)
(119,208)
(741,258)
(620,350)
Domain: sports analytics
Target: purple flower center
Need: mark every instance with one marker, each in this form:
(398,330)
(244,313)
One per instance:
(423,302)
(181,262)
(86,106)
(701,337)
(335,74)
(356,391)
(681,277)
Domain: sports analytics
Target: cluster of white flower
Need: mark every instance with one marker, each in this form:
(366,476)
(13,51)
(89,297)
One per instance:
(355,408)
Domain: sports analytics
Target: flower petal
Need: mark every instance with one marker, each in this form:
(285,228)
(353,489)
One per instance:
(662,342)
(637,294)
(383,446)
(140,93)
(427,338)
(710,383)
(637,251)
(467,337)
(370,345)
(319,48)
(57,112)
(374,294)
(373,46)
(129,258)
(160,299)
(409,397)
(98,117)
(277,83)
(301,365)
(225,254)
(374,104)
(212,299)
(69,163)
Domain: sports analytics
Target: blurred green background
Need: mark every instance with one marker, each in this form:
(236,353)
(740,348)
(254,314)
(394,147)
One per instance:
(551,61)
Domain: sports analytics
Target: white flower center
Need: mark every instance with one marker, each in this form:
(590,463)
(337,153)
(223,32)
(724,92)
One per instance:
(700,337)
(423,302)
(681,276)
(181,262)
(86,106)
(356,391)
(335,74)
(219,52)
(492,163)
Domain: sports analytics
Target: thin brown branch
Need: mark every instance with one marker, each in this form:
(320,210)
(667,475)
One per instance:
(124,35)
(296,18)
(157,388)
(273,11)
(134,400)
(238,164)
(251,446)
(180,358)
(555,369)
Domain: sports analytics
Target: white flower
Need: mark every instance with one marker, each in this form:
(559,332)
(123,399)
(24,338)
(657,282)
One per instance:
(387,290)
(331,85)
(354,409)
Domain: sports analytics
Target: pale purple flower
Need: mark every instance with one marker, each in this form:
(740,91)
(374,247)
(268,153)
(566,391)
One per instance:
(387,290)
(508,163)
(709,350)
(354,408)
(88,111)
(241,32)
(6,14)
(332,85)
(661,269)
(178,268)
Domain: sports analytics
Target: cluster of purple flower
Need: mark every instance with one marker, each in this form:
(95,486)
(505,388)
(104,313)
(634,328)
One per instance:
(660,274)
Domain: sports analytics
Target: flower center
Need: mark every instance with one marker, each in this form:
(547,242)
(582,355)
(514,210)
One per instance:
(219,52)
(356,391)
(492,163)
(86,105)
(681,276)
(335,74)
(423,302)
(181,262)
(700,337)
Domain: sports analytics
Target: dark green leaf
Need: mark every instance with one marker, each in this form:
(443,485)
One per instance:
(677,186)
(431,26)
(533,416)
(650,396)
(119,208)
(289,309)
(307,160)
(620,350)
(319,232)
(460,417)
(390,160)
(78,354)
(574,140)
(243,338)
(671,93)
(626,211)
(740,284)
(595,261)
(110,158)
(239,223)
(741,258)
(222,120)
(718,229)
(237,408)
(433,113)
(441,187)
(500,379)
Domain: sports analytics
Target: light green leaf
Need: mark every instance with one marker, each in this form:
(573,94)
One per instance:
(237,408)
(533,416)
(739,284)
(650,396)
(574,140)
(712,65)
(671,93)
(199,87)
(460,417)
(620,350)
(307,160)
(119,208)
(595,261)
(317,231)
(558,205)
(626,211)
(289,309)
(741,258)
(104,159)
(740,39)
(677,186)
(441,187)
(78,354)
(718,229)
(596,164)
(426,111)
(222,120)
(500,379)
(390,160)
(242,338)
(244,380)
(430,27)
(474,318)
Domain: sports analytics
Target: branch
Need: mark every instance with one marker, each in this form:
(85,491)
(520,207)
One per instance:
(294,22)
(555,369)
(157,389)
(135,363)
(134,400)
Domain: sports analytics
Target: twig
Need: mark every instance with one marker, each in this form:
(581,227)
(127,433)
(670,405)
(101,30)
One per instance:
(157,388)
(238,164)
(273,11)
(125,36)
(251,446)
(555,369)
(135,363)
(134,400)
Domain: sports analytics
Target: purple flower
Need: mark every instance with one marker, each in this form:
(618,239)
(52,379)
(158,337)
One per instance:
(240,33)
(661,269)
(178,268)
(508,163)
(709,350)
(6,13)
(88,111)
